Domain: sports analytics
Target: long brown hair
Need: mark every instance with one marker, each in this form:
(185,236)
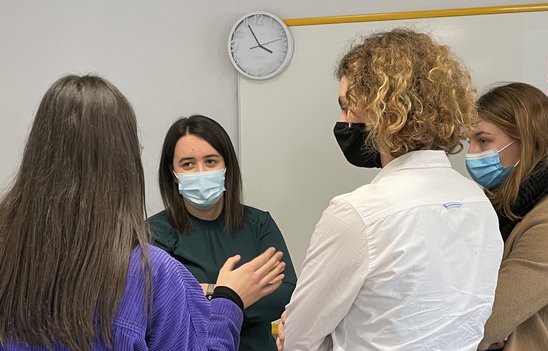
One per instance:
(71,219)
(418,93)
(212,132)
(521,111)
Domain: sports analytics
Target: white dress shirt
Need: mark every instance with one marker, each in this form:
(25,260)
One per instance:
(408,262)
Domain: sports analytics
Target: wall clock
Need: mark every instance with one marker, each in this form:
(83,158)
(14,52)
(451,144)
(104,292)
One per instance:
(260,45)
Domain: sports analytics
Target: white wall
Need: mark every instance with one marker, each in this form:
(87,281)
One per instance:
(169,58)
(295,112)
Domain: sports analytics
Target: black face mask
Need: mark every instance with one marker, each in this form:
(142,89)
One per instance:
(351,137)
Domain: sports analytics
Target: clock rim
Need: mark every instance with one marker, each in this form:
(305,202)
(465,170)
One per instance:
(288,55)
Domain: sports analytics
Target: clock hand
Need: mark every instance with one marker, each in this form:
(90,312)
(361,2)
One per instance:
(257,40)
(265,48)
(254,36)
(268,42)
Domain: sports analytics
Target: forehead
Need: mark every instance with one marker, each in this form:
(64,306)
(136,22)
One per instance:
(486,127)
(193,146)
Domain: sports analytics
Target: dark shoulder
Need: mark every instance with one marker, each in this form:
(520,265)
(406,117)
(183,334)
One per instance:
(159,223)
(159,218)
(256,216)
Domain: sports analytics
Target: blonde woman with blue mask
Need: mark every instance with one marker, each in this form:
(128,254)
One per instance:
(508,156)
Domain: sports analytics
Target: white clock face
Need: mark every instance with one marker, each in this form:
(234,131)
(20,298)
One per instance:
(260,45)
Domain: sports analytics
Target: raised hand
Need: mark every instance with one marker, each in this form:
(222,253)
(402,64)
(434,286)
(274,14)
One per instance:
(255,279)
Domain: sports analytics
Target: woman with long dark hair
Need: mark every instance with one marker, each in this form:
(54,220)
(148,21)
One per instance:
(76,270)
(205,220)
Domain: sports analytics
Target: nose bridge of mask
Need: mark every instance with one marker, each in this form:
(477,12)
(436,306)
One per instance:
(484,154)
(489,153)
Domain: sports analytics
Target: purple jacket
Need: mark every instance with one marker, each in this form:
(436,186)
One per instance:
(181,317)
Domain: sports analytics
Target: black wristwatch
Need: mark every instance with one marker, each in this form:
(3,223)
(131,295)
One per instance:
(209,291)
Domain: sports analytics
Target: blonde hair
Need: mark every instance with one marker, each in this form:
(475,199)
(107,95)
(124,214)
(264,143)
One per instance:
(418,94)
(521,111)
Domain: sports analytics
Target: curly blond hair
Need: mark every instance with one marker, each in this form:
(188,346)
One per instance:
(417,92)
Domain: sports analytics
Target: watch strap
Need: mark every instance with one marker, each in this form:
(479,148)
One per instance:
(209,291)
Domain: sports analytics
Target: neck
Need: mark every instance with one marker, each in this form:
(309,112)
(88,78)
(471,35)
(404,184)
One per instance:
(208,214)
(386,158)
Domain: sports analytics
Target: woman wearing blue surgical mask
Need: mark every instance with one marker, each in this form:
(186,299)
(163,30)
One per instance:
(508,156)
(76,270)
(205,222)
(492,155)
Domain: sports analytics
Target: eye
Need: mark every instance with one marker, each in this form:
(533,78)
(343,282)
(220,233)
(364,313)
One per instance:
(187,165)
(211,162)
(482,141)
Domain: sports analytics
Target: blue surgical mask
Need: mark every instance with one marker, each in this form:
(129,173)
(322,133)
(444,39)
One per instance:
(202,189)
(485,167)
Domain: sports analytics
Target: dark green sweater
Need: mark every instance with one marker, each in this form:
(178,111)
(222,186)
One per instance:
(206,248)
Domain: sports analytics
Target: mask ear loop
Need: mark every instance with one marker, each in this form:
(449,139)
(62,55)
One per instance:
(175,175)
(510,143)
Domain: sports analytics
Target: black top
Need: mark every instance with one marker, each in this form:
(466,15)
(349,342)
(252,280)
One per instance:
(209,244)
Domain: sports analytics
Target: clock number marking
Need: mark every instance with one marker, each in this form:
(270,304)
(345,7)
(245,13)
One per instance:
(259,19)
(234,46)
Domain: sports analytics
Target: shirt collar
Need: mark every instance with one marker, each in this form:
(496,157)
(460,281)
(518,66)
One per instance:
(416,160)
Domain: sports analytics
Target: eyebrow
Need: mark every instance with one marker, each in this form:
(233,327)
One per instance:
(192,158)
(482,133)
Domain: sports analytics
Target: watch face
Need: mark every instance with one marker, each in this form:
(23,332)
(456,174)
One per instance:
(260,45)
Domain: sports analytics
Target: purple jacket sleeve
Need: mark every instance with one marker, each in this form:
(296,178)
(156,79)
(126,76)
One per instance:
(183,319)
(225,323)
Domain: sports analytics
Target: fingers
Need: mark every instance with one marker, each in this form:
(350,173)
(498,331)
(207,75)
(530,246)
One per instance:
(279,344)
(262,259)
(271,264)
(230,263)
(273,275)
(281,332)
(270,288)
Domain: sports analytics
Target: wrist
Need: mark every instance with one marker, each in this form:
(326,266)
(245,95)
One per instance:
(228,293)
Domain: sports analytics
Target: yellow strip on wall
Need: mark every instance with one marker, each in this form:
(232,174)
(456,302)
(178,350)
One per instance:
(493,10)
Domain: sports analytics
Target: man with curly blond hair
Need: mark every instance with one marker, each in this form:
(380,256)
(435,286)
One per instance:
(409,261)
